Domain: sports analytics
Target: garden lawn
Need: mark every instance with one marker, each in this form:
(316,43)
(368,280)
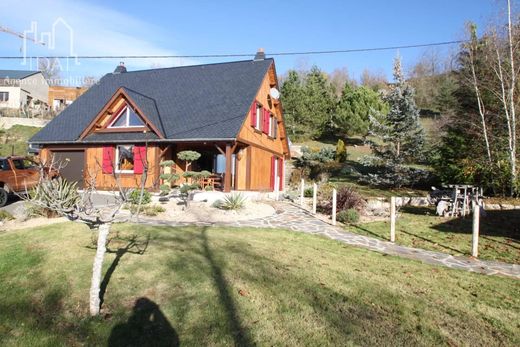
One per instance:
(214,286)
(419,227)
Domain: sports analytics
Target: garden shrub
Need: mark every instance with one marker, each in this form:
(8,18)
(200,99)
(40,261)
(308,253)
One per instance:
(311,162)
(350,216)
(346,198)
(341,152)
(307,192)
(133,197)
(231,202)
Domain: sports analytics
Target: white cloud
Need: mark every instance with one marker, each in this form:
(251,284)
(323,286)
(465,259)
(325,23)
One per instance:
(97,30)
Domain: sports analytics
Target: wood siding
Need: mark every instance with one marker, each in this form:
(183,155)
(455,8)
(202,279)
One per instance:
(93,168)
(263,147)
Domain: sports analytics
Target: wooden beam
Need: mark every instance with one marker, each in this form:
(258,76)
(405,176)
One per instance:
(227,175)
(220,150)
(248,168)
(163,152)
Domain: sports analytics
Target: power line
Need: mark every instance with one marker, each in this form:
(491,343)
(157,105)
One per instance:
(234,55)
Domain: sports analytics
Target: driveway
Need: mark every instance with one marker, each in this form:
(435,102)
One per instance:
(16,206)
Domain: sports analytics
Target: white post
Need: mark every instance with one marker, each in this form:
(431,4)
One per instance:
(392,219)
(476,224)
(302,192)
(334,203)
(276,187)
(314,197)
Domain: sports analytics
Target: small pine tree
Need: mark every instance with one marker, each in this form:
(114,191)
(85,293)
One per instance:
(401,136)
(400,131)
(341,151)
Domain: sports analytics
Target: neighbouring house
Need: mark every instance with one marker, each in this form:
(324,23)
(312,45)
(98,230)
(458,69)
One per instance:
(228,112)
(23,89)
(61,97)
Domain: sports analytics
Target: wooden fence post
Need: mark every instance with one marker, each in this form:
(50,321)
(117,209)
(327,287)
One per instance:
(392,219)
(302,192)
(334,203)
(314,197)
(476,225)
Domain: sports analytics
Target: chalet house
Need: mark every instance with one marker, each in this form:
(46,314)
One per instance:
(19,89)
(228,112)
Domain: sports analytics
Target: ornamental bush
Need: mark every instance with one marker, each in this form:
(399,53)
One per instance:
(350,216)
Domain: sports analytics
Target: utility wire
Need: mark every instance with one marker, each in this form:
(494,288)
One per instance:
(353,50)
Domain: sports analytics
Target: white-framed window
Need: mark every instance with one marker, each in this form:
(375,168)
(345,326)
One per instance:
(125,158)
(4,96)
(271,125)
(259,116)
(127,118)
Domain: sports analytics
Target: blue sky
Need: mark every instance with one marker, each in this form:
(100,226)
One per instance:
(218,27)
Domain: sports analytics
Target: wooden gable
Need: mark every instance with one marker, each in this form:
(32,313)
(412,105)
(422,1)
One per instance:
(250,135)
(112,109)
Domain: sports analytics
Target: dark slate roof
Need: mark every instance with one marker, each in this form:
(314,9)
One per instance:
(16,74)
(186,103)
(120,137)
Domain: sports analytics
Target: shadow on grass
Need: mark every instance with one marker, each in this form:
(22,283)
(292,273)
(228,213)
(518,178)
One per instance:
(504,223)
(418,210)
(239,333)
(147,326)
(134,246)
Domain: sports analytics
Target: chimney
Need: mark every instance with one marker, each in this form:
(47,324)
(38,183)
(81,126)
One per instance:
(260,54)
(120,68)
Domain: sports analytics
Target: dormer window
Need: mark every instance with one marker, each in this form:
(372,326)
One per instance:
(127,118)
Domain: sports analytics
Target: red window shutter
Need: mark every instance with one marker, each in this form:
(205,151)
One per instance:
(139,159)
(108,160)
(273,163)
(281,172)
(253,114)
(265,127)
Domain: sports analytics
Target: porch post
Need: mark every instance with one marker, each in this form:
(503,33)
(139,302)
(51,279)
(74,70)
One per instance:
(227,175)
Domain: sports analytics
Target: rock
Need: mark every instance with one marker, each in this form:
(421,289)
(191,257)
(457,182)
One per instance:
(507,207)
(492,206)
(209,197)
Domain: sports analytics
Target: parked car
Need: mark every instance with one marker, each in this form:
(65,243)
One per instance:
(17,174)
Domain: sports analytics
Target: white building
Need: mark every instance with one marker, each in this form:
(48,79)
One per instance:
(20,89)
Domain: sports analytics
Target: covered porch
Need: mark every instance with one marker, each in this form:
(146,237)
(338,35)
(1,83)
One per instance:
(226,161)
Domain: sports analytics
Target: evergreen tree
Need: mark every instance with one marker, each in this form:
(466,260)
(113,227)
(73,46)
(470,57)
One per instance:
(400,131)
(355,106)
(319,103)
(292,100)
(401,137)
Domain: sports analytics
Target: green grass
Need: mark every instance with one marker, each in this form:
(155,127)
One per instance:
(421,228)
(14,140)
(221,287)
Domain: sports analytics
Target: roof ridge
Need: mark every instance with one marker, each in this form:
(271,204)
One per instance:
(190,66)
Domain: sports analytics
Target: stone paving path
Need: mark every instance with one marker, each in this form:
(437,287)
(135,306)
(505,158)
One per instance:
(292,217)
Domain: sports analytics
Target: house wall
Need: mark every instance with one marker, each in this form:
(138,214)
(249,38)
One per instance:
(93,168)
(36,86)
(14,97)
(67,94)
(263,147)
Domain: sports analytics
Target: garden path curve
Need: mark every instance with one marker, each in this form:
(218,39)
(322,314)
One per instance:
(292,217)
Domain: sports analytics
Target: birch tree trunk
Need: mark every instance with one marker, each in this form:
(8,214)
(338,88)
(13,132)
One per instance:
(512,111)
(97,269)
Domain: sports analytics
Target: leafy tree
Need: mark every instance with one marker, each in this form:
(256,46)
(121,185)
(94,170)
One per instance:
(355,106)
